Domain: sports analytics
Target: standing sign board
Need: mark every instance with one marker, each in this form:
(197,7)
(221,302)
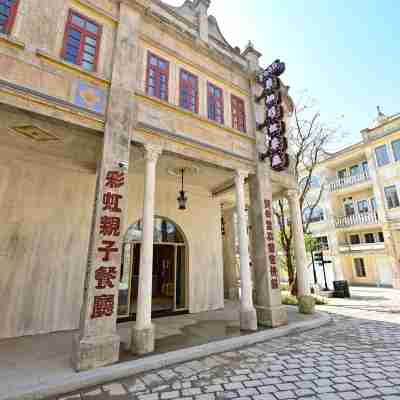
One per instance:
(273,127)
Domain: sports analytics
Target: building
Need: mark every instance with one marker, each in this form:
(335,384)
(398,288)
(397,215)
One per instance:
(358,220)
(112,110)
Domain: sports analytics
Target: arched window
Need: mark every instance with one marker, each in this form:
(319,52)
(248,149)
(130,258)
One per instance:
(316,215)
(165,231)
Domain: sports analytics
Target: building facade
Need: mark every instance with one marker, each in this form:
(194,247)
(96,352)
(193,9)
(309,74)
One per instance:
(112,110)
(358,220)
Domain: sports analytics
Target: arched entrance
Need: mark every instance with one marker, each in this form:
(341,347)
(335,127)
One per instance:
(170,266)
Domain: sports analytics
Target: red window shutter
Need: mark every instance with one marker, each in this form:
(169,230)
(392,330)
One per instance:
(238,114)
(215,103)
(82,41)
(8,12)
(157,79)
(189,91)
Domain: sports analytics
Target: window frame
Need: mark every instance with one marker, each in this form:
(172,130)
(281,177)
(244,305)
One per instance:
(158,70)
(11,18)
(85,33)
(355,167)
(240,111)
(381,237)
(340,171)
(215,100)
(354,235)
(395,155)
(378,162)
(385,189)
(181,84)
(363,202)
(369,235)
(362,265)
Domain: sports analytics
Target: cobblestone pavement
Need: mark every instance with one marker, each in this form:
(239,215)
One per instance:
(353,358)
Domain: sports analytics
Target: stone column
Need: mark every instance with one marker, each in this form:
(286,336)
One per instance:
(303,279)
(248,316)
(231,270)
(268,299)
(143,332)
(97,343)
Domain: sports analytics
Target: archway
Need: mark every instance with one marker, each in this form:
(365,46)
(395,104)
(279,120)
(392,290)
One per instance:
(170,269)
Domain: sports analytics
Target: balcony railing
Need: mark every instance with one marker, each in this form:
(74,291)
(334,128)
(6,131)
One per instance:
(349,248)
(369,218)
(349,181)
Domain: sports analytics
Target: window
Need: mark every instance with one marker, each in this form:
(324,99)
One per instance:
(342,173)
(381,238)
(365,168)
(215,104)
(8,11)
(322,242)
(82,41)
(360,267)
(355,239)
(189,91)
(238,114)
(317,215)
(396,149)
(382,155)
(157,77)
(369,238)
(354,170)
(373,204)
(362,206)
(349,207)
(315,182)
(391,197)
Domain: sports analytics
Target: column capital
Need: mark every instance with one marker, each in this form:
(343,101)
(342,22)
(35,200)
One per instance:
(152,151)
(292,194)
(241,174)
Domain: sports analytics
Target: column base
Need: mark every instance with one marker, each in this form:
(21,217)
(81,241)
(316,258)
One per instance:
(143,339)
(248,320)
(94,352)
(272,317)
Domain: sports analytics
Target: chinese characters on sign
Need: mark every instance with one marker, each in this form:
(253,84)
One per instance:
(273,126)
(109,229)
(270,244)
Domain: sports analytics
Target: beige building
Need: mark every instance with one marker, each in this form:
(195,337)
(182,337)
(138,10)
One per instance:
(111,110)
(358,221)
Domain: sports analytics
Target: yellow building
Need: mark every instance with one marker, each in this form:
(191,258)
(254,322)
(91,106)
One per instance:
(358,220)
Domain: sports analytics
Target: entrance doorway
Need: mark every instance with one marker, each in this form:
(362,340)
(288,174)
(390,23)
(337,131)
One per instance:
(169,285)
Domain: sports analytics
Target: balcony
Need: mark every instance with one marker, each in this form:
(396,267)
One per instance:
(347,221)
(349,181)
(361,247)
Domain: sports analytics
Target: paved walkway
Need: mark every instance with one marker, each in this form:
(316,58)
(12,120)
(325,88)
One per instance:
(357,357)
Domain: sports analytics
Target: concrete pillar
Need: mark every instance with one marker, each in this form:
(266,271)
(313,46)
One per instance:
(248,316)
(143,336)
(268,299)
(201,7)
(231,270)
(97,343)
(303,279)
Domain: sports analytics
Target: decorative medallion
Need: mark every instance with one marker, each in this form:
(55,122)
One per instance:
(90,97)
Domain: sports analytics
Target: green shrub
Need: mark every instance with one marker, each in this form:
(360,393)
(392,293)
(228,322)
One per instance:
(291,300)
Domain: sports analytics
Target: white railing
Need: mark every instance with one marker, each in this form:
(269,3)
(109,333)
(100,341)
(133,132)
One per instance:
(349,181)
(347,247)
(357,219)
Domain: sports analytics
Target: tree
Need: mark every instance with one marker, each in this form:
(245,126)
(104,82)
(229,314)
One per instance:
(308,139)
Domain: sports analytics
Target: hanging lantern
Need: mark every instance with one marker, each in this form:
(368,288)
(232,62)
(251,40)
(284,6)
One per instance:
(182,199)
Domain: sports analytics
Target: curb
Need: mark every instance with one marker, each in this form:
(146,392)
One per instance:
(104,375)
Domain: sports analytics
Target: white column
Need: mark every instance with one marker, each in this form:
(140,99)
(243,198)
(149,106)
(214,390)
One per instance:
(143,332)
(248,315)
(303,279)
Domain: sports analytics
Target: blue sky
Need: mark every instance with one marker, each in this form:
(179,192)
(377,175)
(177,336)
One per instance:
(345,53)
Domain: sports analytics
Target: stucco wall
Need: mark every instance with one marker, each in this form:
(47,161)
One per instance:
(46,215)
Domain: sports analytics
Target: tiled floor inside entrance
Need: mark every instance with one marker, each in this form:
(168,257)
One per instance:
(37,359)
